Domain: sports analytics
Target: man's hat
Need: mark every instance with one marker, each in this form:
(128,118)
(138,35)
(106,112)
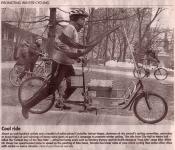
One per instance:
(79,12)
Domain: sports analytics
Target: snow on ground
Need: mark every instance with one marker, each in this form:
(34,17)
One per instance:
(110,63)
(113,63)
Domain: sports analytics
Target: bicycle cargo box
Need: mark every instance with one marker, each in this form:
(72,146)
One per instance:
(76,81)
(103,88)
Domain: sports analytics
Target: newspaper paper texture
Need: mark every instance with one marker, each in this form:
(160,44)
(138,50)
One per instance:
(122,92)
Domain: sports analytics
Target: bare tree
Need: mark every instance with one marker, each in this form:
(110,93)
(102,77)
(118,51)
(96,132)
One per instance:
(19,15)
(107,37)
(144,26)
(137,28)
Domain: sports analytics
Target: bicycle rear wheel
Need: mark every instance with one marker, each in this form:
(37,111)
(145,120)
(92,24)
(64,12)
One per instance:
(14,75)
(30,87)
(139,72)
(160,74)
(150,108)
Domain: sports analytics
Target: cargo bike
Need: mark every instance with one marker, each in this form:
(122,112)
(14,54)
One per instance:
(148,107)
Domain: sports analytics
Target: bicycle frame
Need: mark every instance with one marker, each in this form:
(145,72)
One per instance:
(138,88)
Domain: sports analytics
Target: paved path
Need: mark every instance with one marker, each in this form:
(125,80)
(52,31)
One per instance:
(12,116)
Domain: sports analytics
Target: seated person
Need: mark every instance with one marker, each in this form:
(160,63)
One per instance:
(28,56)
(151,58)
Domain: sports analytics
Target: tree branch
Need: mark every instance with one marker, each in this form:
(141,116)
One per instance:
(159,10)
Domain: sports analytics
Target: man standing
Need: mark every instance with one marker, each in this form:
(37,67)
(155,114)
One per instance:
(64,55)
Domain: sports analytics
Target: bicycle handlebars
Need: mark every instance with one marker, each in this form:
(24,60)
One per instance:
(45,57)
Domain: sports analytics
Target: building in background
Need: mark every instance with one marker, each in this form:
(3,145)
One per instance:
(14,30)
(8,39)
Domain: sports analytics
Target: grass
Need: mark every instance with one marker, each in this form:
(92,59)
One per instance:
(10,97)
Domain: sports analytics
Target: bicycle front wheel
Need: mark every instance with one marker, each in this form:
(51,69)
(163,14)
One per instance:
(139,73)
(160,74)
(29,88)
(150,108)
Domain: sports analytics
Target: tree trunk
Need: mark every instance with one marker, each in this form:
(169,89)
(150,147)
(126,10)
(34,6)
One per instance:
(120,55)
(120,48)
(19,23)
(114,38)
(90,29)
(98,51)
(124,49)
(15,53)
(52,30)
(107,37)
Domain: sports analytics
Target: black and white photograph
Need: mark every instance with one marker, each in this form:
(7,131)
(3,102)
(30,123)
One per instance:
(87,66)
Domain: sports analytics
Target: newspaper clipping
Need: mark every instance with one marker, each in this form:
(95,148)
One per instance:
(79,75)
